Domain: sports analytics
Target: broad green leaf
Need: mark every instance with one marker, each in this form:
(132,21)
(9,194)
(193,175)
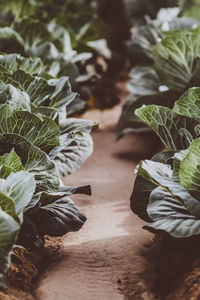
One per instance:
(143,40)
(130,123)
(75,106)
(170,215)
(19,187)
(62,94)
(177,159)
(161,175)
(189,104)
(175,131)
(33,160)
(167,14)
(77,124)
(9,229)
(144,81)
(41,132)
(50,112)
(165,157)
(44,198)
(162,205)
(14,62)
(178,228)
(55,93)
(74,155)
(155,172)
(66,140)
(10,162)
(14,98)
(189,173)
(16,192)
(65,68)
(7,204)
(58,218)
(140,197)
(179,24)
(179,54)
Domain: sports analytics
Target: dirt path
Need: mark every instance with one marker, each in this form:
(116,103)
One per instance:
(103,261)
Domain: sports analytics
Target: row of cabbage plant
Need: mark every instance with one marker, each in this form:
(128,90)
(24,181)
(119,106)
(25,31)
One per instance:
(42,51)
(165,98)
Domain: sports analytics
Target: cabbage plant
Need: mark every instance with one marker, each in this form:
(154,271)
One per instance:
(40,139)
(38,143)
(53,98)
(64,34)
(166,190)
(170,41)
(29,145)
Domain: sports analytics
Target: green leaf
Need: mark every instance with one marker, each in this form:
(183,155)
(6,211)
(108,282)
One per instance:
(177,159)
(10,162)
(33,160)
(144,81)
(19,187)
(179,228)
(170,215)
(50,112)
(77,124)
(76,106)
(144,38)
(181,23)
(14,98)
(179,53)
(189,169)
(140,197)
(162,205)
(161,175)
(58,218)
(45,198)
(14,62)
(189,104)
(41,132)
(130,123)
(9,229)
(175,131)
(66,140)
(15,193)
(165,157)
(55,93)
(74,155)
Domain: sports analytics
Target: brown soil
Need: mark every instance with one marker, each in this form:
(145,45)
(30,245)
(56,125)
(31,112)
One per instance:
(172,270)
(26,266)
(103,260)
